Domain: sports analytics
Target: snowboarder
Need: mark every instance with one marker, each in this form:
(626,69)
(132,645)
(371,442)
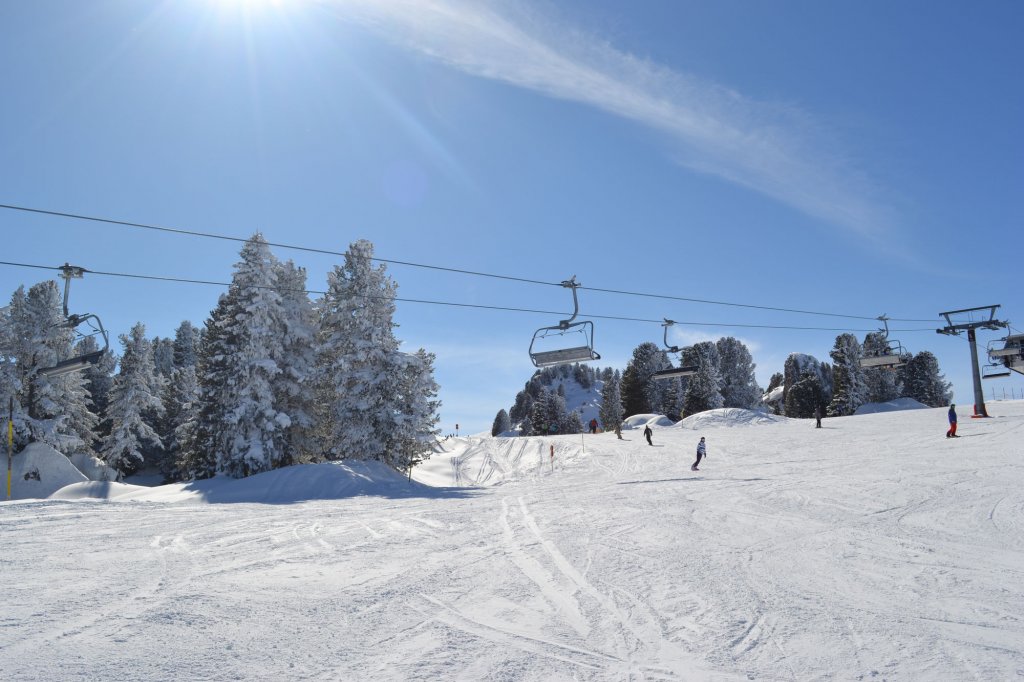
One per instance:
(701,452)
(952,422)
(593,426)
(618,431)
(648,433)
(817,417)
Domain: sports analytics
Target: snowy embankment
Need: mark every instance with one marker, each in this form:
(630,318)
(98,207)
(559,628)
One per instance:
(872,548)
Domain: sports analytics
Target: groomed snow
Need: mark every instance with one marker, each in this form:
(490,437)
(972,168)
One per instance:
(872,548)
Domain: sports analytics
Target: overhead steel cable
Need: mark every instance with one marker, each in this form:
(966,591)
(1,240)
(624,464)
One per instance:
(463,305)
(511,278)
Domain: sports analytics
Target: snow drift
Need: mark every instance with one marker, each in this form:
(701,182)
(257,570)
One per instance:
(38,471)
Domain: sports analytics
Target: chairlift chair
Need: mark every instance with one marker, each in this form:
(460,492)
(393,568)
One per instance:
(566,356)
(994,371)
(893,355)
(73,321)
(673,372)
(1011,355)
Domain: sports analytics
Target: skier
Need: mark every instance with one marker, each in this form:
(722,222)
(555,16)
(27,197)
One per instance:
(648,433)
(817,417)
(618,431)
(952,422)
(701,452)
(593,426)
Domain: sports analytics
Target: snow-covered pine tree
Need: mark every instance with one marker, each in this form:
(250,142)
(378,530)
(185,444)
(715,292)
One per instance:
(924,382)
(883,383)
(56,408)
(163,356)
(135,392)
(571,423)
(501,424)
(636,379)
(849,390)
(186,345)
(738,384)
(412,437)
(181,403)
(611,413)
(777,380)
(805,396)
(294,387)
(522,408)
(99,379)
(702,392)
(357,358)
(540,414)
(253,435)
(201,438)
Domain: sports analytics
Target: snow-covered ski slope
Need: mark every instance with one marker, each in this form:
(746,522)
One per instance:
(873,548)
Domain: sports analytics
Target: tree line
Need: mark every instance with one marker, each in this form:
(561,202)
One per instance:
(272,379)
(724,377)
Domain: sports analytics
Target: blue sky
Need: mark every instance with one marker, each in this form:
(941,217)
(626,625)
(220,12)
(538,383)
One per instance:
(854,158)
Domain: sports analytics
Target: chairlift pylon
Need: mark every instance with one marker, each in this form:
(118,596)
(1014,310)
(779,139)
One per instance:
(74,321)
(892,356)
(673,372)
(566,356)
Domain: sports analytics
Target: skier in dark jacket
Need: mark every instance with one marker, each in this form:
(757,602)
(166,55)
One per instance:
(593,426)
(952,422)
(701,452)
(648,433)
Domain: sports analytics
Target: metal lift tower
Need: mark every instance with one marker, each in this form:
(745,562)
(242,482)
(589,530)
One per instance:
(971,319)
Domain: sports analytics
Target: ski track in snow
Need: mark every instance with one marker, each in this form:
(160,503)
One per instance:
(872,549)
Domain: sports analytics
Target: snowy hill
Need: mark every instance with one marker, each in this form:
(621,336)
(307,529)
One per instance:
(891,406)
(872,548)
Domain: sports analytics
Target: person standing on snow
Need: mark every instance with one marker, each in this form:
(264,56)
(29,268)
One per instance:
(701,452)
(648,433)
(817,417)
(618,431)
(593,426)
(952,422)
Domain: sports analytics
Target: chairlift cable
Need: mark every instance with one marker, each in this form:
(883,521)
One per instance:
(466,305)
(307,249)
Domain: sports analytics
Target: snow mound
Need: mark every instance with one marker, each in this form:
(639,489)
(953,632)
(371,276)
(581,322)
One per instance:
(299,483)
(728,417)
(93,467)
(38,471)
(891,406)
(640,420)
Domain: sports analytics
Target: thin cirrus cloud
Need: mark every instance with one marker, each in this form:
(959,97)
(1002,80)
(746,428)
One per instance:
(776,150)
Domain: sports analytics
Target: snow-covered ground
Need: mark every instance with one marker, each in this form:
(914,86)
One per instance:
(872,548)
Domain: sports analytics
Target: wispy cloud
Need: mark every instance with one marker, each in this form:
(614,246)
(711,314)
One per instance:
(776,150)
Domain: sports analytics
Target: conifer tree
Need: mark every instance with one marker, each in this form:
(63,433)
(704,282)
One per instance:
(611,414)
(501,424)
(702,392)
(924,382)
(805,396)
(135,392)
(254,430)
(636,386)
(357,361)
(540,414)
(738,383)
(849,390)
(181,405)
(54,409)
(201,439)
(414,431)
(99,379)
(294,389)
(186,345)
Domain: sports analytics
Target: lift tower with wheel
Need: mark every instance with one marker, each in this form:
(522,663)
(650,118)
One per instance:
(970,320)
